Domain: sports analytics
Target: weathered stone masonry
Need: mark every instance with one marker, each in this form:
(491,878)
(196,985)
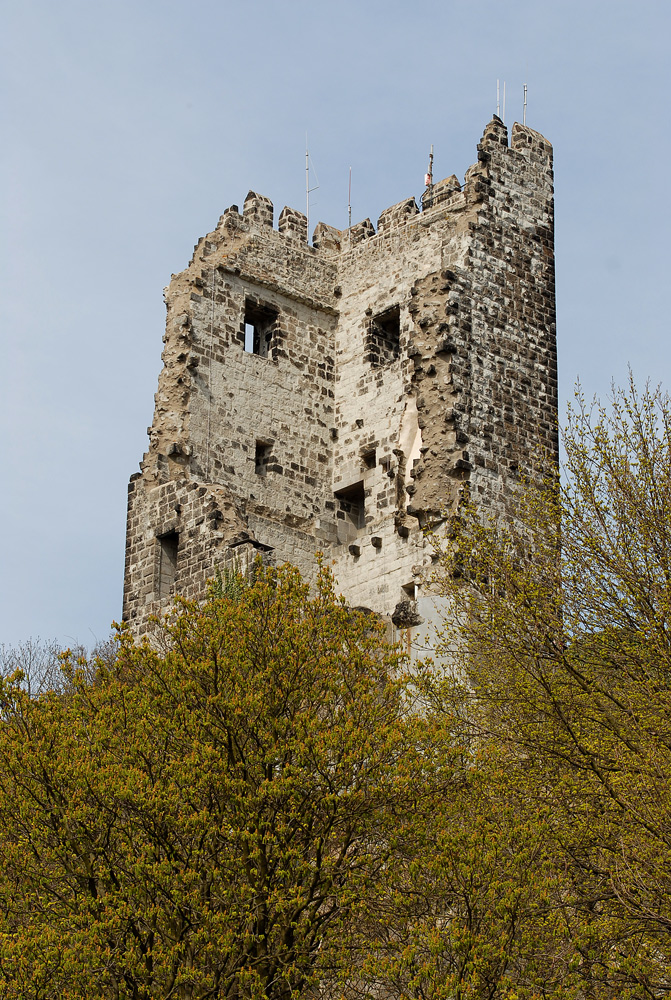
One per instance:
(342,396)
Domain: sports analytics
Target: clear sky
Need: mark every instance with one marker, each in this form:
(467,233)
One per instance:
(128,127)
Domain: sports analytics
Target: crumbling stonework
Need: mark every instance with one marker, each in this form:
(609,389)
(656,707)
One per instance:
(342,397)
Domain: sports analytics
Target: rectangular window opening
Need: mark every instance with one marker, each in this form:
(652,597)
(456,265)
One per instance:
(409,592)
(259,326)
(351,505)
(383,341)
(262,455)
(169,544)
(370,459)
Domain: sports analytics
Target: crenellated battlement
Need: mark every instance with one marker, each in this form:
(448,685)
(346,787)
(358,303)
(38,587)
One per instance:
(258,210)
(447,194)
(345,395)
(525,139)
(293,224)
(397,215)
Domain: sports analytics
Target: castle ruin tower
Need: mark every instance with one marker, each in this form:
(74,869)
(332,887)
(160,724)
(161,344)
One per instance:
(341,396)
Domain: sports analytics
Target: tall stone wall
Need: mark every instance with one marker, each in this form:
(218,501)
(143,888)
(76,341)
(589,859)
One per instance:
(343,396)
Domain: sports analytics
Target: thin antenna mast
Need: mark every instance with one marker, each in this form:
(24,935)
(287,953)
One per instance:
(308,189)
(524,110)
(498,101)
(349,202)
(428,179)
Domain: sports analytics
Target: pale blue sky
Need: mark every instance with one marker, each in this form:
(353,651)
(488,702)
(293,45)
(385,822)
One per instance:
(129,127)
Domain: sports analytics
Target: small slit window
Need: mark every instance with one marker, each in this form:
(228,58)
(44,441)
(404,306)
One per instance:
(383,341)
(262,454)
(167,567)
(259,326)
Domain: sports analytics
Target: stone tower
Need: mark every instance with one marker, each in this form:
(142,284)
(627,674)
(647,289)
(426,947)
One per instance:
(342,395)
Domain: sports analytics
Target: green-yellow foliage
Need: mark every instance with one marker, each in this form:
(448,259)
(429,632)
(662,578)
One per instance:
(205,820)
(470,912)
(566,643)
(257,809)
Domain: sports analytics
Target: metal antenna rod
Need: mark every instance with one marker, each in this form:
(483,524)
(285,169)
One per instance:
(349,201)
(428,180)
(308,189)
(524,111)
(498,101)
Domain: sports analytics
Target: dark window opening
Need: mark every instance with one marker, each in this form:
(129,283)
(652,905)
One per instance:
(351,505)
(259,326)
(384,337)
(262,455)
(370,459)
(169,544)
(409,591)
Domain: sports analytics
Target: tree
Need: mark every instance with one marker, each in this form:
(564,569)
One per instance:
(565,642)
(256,807)
(469,911)
(206,818)
(40,661)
